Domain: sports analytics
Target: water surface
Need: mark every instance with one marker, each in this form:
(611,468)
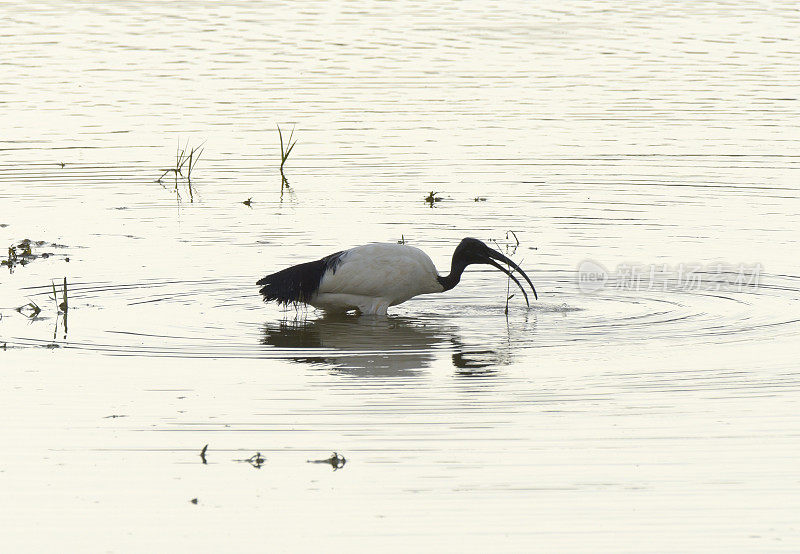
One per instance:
(656,142)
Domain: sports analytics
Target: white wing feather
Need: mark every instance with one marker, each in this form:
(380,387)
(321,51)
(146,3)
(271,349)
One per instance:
(394,272)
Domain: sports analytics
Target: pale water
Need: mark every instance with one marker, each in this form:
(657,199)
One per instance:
(645,155)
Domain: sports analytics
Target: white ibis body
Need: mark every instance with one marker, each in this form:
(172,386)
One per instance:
(372,277)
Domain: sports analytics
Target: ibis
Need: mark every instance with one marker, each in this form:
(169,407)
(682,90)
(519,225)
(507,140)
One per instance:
(372,277)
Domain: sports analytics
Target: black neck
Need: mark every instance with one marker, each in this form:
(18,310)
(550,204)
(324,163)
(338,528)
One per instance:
(456,269)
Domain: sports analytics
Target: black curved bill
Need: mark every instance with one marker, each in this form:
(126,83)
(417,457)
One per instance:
(507,272)
(498,256)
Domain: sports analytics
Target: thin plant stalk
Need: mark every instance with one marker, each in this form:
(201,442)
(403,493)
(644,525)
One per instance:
(289,146)
(508,280)
(183,159)
(55,295)
(64,291)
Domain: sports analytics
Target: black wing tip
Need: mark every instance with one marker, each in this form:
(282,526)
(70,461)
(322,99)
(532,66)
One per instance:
(273,292)
(299,283)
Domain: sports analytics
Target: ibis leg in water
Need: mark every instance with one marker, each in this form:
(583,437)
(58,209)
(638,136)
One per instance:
(372,277)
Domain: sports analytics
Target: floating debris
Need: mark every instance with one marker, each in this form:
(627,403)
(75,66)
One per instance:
(256,460)
(23,253)
(431,198)
(335,461)
(30,310)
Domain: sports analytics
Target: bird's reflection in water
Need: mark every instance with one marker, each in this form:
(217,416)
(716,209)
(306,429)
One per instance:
(477,363)
(380,346)
(480,361)
(375,346)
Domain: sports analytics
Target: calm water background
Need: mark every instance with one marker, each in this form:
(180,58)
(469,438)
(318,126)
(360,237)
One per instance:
(628,418)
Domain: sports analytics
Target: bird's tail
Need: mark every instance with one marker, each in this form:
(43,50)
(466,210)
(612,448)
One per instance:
(296,284)
(285,287)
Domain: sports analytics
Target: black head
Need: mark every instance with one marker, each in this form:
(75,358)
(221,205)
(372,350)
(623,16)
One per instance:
(472,251)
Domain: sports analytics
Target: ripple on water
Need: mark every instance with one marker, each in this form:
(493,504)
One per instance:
(211,318)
